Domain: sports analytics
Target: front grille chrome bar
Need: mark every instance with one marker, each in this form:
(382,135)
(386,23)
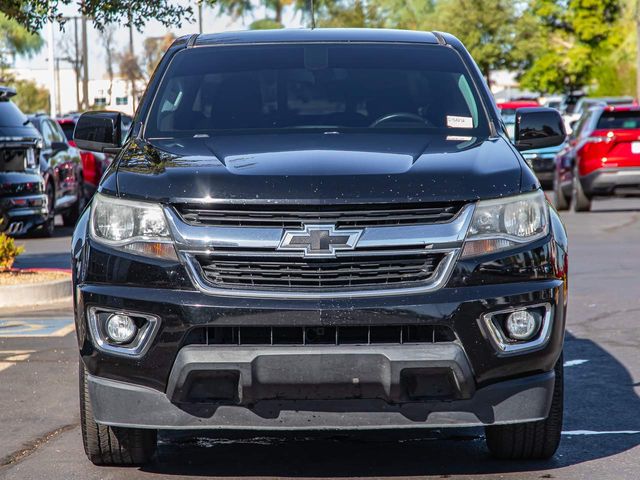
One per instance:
(194,240)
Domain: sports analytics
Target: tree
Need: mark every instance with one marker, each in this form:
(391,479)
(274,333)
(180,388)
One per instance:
(154,48)
(407,14)
(354,14)
(575,36)
(107,37)
(130,70)
(33,14)
(275,9)
(16,40)
(30,98)
(265,24)
(615,71)
(494,31)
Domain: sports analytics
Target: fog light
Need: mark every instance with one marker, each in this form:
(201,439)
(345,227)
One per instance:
(121,328)
(522,325)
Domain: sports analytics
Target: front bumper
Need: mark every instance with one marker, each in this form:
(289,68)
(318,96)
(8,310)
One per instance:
(612,181)
(517,400)
(22,214)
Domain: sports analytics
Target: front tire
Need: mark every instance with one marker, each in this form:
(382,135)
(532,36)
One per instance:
(531,440)
(560,199)
(106,445)
(580,202)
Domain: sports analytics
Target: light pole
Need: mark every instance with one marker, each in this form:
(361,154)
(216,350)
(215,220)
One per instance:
(53,91)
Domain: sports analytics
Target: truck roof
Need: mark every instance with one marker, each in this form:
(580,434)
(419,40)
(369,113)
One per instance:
(297,35)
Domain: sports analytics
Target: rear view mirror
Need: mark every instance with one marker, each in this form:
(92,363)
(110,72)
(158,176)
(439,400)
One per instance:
(58,147)
(538,127)
(99,132)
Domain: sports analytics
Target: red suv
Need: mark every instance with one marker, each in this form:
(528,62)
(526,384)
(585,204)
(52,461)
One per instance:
(600,158)
(93,163)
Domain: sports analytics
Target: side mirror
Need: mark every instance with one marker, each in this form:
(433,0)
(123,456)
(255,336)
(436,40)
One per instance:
(57,147)
(99,132)
(538,127)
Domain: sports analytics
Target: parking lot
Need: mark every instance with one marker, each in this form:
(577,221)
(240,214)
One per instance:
(39,407)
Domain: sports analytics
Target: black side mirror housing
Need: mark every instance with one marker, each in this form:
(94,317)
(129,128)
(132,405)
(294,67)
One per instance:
(99,132)
(538,127)
(57,147)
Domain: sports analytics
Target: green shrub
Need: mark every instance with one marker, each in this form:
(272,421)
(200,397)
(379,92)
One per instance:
(8,252)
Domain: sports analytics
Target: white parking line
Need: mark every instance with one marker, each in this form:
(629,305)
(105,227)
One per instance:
(593,432)
(573,363)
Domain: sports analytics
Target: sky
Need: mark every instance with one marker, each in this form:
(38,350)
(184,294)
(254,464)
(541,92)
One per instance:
(212,22)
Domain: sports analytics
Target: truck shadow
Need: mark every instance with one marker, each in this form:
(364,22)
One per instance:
(599,397)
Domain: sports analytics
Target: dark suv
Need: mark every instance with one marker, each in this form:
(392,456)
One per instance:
(23,204)
(319,229)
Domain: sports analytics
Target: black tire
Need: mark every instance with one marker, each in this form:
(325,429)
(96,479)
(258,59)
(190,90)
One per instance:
(71,216)
(580,202)
(112,445)
(531,440)
(560,200)
(47,229)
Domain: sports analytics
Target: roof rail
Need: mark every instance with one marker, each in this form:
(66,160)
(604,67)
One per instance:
(439,38)
(7,92)
(192,40)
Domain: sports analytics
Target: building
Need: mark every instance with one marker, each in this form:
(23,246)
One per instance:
(102,93)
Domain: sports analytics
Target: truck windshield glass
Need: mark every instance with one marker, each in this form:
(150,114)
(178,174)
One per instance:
(319,86)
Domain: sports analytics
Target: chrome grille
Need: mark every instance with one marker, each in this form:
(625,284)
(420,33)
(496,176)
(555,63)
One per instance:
(363,270)
(344,335)
(287,216)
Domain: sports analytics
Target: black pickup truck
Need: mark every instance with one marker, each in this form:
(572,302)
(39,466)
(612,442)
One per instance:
(319,229)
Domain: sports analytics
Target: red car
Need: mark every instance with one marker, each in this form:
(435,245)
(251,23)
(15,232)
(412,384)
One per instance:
(93,163)
(601,158)
(509,108)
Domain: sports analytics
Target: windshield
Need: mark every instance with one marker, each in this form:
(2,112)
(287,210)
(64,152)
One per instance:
(332,86)
(11,116)
(619,121)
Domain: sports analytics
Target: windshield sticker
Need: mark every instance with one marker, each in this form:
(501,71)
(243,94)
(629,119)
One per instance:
(459,122)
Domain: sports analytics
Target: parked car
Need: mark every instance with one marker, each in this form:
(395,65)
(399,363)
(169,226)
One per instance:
(319,229)
(508,112)
(555,101)
(94,164)
(543,163)
(23,203)
(601,158)
(542,160)
(585,103)
(61,168)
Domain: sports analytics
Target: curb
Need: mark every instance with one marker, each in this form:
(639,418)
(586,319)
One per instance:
(35,293)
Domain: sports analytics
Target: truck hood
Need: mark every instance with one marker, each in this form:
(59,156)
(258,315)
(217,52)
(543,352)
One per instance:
(316,168)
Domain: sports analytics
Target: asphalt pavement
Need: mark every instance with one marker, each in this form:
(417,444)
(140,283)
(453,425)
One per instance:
(47,252)
(40,437)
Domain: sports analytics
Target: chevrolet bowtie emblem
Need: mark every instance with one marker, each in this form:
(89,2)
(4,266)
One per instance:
(319,240)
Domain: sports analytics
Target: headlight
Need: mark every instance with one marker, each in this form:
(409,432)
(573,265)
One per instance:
(135,227)
(507,222)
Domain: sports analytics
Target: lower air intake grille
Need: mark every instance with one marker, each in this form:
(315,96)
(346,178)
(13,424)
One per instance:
(351,335)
